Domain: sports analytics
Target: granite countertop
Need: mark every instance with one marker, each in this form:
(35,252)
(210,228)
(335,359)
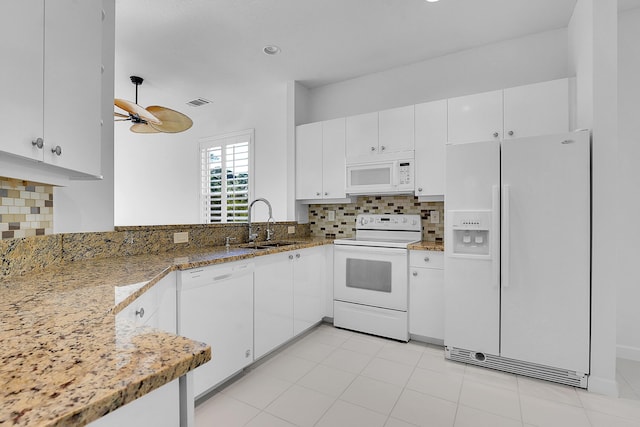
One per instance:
(427,246)
(62,361)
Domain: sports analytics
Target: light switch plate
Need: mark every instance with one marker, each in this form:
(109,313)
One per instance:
(332,216)
(435,217)
(182,237)
(291,229)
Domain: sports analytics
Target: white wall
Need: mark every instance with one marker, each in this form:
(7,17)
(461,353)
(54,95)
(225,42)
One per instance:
(593,53)
(158,175)
(628,337)
(530,59)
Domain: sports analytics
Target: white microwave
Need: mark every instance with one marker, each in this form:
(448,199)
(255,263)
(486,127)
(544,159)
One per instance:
(380,177)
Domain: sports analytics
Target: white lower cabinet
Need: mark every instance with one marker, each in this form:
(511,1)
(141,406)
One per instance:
(309,278)
(288,292)
(426,295)
(161,407)
(273,302)
(215,306)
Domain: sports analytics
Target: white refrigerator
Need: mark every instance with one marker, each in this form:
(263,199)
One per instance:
(517,255)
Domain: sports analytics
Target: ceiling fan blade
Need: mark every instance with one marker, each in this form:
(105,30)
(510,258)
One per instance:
(142,128)
(172,121)
(116,114)
(135,109)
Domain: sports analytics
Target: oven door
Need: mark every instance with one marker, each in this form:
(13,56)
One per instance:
(371,276)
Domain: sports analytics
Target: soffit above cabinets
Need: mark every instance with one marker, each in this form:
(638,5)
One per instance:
(214,49)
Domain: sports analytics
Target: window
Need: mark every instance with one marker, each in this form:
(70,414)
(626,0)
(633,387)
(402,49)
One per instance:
(226,177)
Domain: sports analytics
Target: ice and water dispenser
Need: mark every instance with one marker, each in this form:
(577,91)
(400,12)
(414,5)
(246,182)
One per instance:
(471,232)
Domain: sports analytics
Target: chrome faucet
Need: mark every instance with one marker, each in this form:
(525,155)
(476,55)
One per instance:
(252,235)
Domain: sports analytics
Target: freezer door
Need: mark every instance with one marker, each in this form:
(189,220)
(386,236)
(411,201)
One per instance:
(546,250)
(472,293)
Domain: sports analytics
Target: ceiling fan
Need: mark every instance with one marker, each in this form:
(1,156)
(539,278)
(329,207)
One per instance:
(153,119)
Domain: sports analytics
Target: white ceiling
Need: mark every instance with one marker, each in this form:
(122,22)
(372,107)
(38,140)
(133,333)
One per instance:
(213,48)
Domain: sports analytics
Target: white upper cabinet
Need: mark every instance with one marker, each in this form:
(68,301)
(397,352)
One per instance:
(362,135)
(396,130)
(430,143)
(308,161)
(73,84)
(475,117)
(536,109)
(320,160)
(333,159)
(21,84)
(51,81)
(529,110)
(388,131)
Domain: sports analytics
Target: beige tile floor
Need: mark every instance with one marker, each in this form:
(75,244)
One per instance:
(334,378)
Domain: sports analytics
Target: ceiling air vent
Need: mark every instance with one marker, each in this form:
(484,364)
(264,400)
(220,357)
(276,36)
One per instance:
(198,102)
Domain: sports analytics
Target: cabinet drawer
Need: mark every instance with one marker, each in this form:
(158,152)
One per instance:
(426,259)
(142,309)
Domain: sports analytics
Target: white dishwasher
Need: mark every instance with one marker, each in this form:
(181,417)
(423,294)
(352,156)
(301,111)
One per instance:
(215,306)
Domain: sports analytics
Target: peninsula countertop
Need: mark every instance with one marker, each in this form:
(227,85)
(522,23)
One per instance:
(62,361)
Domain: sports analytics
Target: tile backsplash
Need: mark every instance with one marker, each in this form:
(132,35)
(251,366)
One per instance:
(345,215)
(26,208)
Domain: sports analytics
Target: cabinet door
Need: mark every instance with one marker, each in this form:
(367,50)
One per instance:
(362,135)
(475,118)
(73,84)
(308,282)
(309,161)
(333,159)
(396,130)
(273,299)
(426,302)
(431,140)
(21,86)
(537,109)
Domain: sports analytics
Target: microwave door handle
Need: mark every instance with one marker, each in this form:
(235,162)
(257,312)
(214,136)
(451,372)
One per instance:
(395,171)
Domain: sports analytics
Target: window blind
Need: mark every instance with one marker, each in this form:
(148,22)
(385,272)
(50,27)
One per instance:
(226,175)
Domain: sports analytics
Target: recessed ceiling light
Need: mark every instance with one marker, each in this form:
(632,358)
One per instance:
(432,1)
(271,49)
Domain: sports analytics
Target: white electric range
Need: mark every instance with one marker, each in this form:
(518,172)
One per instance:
(370,275)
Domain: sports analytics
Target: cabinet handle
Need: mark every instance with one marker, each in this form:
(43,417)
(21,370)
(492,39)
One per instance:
(373,149)
(495,134)
(290,256)
(297,255)
(326,193)
(140,312)
(38,142)
(415,274)
(510,133)
(382,148)
(57,150)
(426,259)
(419,189)
(317,193)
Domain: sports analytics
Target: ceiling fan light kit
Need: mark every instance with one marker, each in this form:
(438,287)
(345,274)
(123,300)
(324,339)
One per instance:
(153,119)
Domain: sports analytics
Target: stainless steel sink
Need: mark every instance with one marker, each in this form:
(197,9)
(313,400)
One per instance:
(267,244)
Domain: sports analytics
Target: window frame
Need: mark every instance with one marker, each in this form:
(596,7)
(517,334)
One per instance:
(215,141)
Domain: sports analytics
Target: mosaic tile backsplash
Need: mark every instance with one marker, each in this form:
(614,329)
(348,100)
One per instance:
(344,224)
(26,208)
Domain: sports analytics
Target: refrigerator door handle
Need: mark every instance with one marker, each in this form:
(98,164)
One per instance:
(495,239)
(505,236)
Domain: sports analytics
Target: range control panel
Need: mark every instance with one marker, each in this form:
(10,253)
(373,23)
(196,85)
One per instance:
(388,222)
